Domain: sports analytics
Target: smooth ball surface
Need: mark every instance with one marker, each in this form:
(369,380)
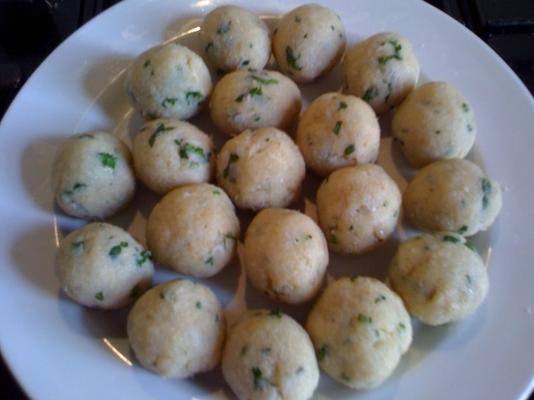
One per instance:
(358,208)
(337,131)
(434,122)
(285,255)
(177,329)
(92,176)
(261,168)
(308,42)
(452,196)
(360,330)
(268,355)
(439,277)
(235,38)
(193,230)
(254,99)
(103,266)
(169,153)
(382,70)
(168,81)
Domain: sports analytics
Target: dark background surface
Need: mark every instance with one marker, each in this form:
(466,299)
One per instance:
(505,25)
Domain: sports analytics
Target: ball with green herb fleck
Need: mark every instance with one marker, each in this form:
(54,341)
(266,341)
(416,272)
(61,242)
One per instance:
(103,266)
(382,70)
(285,255)
(308,42)
(92,176)
(434,122)
(268,355)
(254,99)
(177,329)
(454,196)
(194,230)
(261,168)
(235,38)
(337,131)
(169,153)
(168,81)
(440,277)
(358,208)
(360,329)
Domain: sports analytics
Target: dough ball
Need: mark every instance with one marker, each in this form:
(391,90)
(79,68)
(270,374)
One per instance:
(439,277)
(261,168)
(103,266)
(360,330)
(382,70)
(92,175)
(358,208)
(169,153)
(453,196)
(193,230)
(268,355)
(235,38)
(254,99)
(168,81)
(285,255)
(434,122)
(337,131)
(308,42)
(177,329)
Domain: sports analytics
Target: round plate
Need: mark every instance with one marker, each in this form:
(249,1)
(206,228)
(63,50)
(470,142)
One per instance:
(58,349)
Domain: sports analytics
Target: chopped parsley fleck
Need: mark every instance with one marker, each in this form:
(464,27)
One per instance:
(245,62)
(305,36)
(143,256)
(255,91)
(146,64)
(193,96)
(349,150)
(342,105)
(209,261)
(265,81)
(208,47)
(99,296)
(437,132)
(463,229)
(259,380)
(256,119)
(470,245)
(308,236)
(397,47)
(116,250)
(300,370)
(233,158)
(298,19)
(370,93)
(380,298)
(292,60)
(169,101)
(159,130)
(469,128)
(230,236)
(223,28)
(450,238)
(198,305)
(86,136)
(332,27)
(188,150)
(78,246)
(276,313)
(486,191)
(322,352)
(365,319)
(468,279)
(108,160)
(465,107)
(216,192)
(337,127)
(401,326)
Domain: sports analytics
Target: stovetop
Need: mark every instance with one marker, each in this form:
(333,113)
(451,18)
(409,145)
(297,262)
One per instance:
(506,26)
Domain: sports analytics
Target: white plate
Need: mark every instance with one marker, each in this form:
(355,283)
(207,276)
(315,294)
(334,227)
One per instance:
(59,350)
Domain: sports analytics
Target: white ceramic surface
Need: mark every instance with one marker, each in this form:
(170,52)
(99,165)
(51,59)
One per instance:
(59,350)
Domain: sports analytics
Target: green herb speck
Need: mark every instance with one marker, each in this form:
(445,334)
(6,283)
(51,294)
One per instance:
(337,127)
(470,245)
(298,19)
(364,319)
(292,59)
(159,130)
(108,160)
(208,47)
(233,158)
(397,47)
(349,150)
(465,107)
(209,261)
(223,28)
(463,229)
(486,191)
(78,246)
(99,296)
(169,101)
(342,105)
(143,257)
(380,298)
(198,305)
(322,352)
(370,93)
(116,250)
(146,64)
(450,238)
(468,279)
(276,313)
(193,96)
(265,81)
